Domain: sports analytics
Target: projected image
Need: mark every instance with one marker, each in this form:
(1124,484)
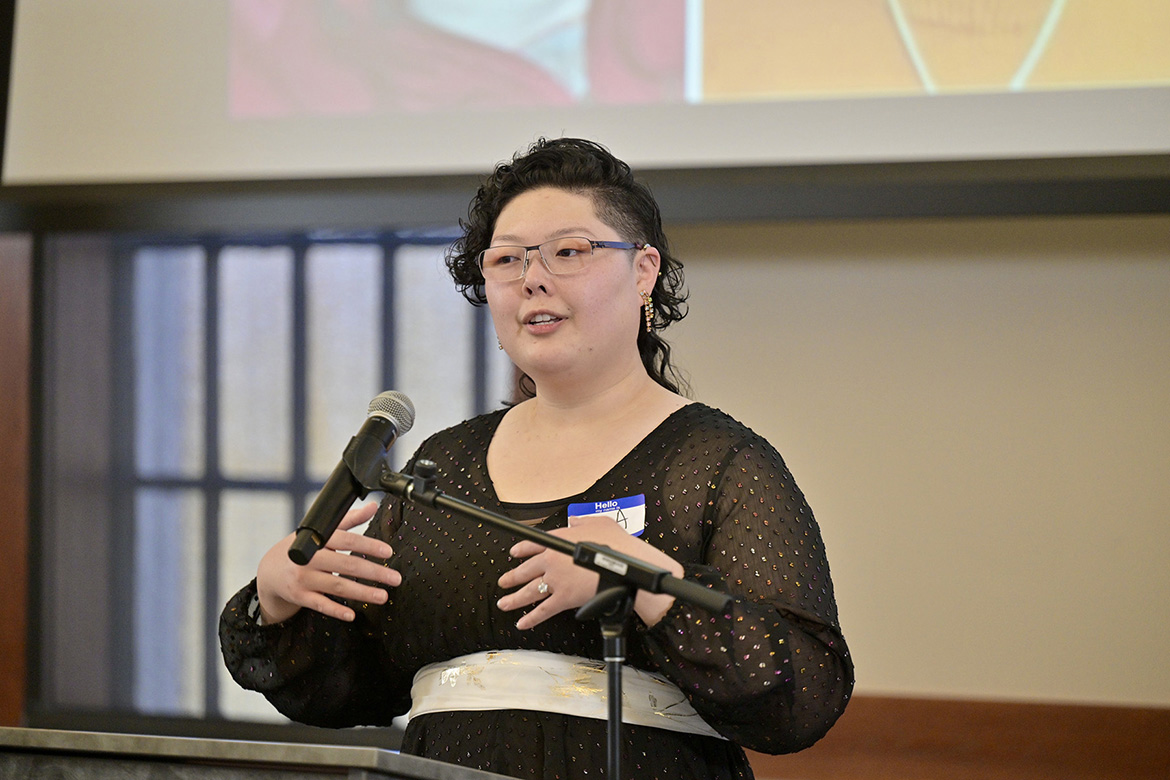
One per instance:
(347,57)
(356,57)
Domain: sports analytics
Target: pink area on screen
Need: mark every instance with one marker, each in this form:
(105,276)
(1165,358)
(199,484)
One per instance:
(355,57)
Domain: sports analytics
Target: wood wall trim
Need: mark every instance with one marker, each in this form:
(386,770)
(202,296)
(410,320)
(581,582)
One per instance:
(889,738)
(15,342)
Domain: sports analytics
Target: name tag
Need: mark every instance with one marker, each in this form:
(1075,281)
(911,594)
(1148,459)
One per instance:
(628,512)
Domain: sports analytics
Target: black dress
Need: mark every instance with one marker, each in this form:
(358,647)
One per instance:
(772,675)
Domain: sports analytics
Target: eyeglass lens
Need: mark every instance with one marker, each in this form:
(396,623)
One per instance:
(560,256)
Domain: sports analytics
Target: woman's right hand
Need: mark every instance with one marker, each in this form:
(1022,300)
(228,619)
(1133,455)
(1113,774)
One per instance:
(284,587)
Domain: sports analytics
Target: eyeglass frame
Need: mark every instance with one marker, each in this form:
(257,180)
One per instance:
(593,244)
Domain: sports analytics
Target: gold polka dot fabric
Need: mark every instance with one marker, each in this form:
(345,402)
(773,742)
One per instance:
(773,674)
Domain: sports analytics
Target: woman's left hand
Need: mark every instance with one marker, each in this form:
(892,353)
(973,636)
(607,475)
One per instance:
(567,585)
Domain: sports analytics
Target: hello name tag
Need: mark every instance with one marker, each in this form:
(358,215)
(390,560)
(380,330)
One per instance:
(628,512)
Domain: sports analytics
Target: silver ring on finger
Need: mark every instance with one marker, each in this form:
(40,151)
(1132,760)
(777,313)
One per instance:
(542,588)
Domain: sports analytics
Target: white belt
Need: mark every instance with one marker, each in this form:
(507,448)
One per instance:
(550,682)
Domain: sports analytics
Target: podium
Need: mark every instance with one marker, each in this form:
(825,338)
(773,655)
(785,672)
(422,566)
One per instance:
(44,754)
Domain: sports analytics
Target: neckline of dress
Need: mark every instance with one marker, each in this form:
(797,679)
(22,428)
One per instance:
(491,485)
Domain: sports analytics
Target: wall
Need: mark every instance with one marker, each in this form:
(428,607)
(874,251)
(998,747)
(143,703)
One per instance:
(976,410)
(15,338)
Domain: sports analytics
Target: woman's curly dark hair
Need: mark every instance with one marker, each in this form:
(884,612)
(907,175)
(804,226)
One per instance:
(626,205)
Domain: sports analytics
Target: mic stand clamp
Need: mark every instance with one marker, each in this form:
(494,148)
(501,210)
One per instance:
(422,483)
(621,576)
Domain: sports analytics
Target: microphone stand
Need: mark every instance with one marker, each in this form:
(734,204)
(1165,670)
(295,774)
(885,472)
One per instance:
(621,577)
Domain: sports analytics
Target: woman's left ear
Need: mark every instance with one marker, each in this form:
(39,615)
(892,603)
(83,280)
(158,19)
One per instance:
(648,265)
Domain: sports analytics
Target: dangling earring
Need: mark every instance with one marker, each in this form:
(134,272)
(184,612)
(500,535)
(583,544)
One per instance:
(499,345)
(648,307)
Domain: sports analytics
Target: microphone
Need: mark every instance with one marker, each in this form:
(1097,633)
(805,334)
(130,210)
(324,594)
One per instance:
(390,415)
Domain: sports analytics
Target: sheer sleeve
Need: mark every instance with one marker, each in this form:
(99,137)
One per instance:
(774,673)
(315,669)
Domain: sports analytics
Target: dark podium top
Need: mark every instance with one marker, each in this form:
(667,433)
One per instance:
(85,755)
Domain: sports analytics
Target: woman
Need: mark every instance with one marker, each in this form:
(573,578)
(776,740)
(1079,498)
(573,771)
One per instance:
(568,252)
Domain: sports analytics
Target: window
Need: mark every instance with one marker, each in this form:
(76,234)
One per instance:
(198,394)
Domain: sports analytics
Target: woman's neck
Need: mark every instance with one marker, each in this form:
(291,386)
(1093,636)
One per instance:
(567,404)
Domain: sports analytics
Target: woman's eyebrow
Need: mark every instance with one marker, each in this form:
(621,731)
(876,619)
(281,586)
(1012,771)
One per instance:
(569,231)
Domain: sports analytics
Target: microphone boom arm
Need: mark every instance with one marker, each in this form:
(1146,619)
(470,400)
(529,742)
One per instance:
(609,563)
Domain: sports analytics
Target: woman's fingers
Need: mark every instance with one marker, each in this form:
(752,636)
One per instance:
(319,590)
(340,586)
(358,515)
(343,539)
(332,573)
(349,542)
(355,567)
(551,582)
(526,549)
(528,593)
(541,612)
(527,570)
(319,602)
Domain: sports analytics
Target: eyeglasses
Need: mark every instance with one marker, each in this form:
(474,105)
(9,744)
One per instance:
(559,255)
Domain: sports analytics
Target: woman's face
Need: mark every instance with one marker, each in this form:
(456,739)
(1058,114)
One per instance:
(582,325)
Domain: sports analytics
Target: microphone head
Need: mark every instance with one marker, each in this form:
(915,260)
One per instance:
(395,407)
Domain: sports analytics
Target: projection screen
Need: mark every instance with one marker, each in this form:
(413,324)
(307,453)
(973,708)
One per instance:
(213,90)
